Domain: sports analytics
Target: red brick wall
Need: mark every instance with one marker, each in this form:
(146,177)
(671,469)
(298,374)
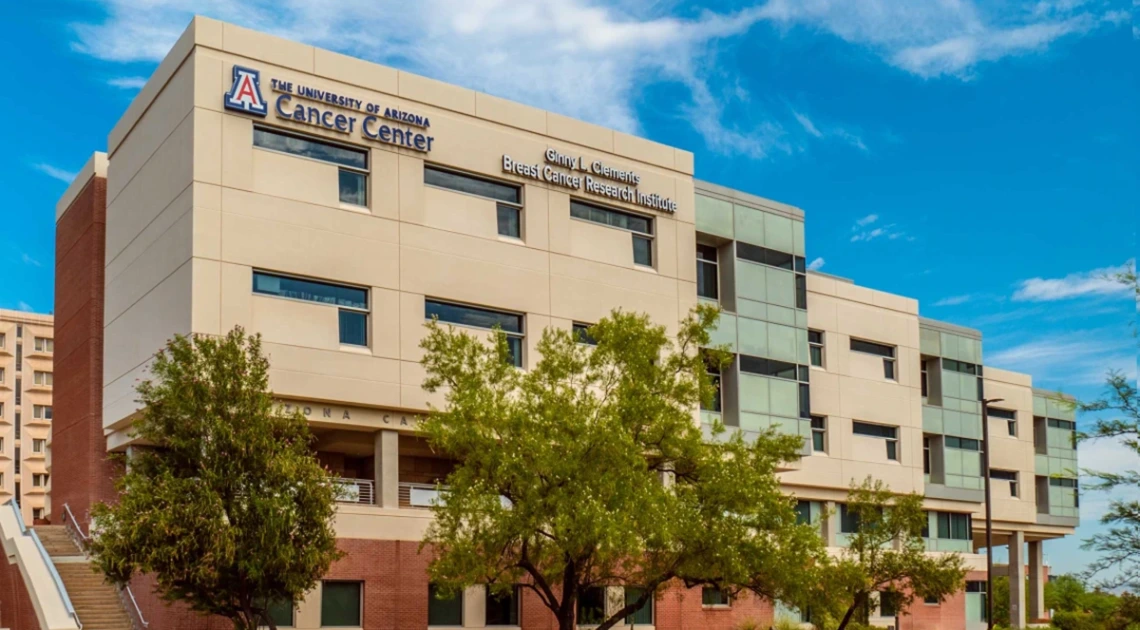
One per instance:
(949,615)
(16,610)
(81,473)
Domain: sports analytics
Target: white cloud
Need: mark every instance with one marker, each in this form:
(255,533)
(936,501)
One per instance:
(1078,358)
(808,125)
(816,264)
(861,233)
(1086,283)
(594,62)
(127,83)
(28,260)
(954,300)
(24,306)
(867,220)
(54,172)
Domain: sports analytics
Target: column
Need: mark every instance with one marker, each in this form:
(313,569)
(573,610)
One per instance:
(387,469)
(1036,580)
(1017,580)
(474,606)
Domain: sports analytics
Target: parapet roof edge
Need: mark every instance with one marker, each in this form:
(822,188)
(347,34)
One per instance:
(96,166)
(1048,393)
(813,272)
(955,329)
(748,199)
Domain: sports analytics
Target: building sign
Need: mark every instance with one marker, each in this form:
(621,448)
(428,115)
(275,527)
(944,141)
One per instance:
(313,106)
(595,177)
(378,418)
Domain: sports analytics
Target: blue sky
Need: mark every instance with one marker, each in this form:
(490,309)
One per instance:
(977,156)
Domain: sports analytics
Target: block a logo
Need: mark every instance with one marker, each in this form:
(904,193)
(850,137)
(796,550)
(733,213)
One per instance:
(245,93)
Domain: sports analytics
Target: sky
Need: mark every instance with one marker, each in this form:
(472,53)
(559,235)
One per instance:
(978,156)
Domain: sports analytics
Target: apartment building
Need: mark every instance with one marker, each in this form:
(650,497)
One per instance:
(334,205)
(26,349)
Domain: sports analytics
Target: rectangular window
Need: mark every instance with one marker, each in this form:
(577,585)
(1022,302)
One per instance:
(771,367)
(38,445)
(1,444)
(929,600)
(975,586)
(582,334)
(1006,475)
(353,161)
(39,480)
(1062,424)
(642,616)
(770,257)
(953,526)
(714,376)
(1006,414)
(878,349)
(815,347)
(712,596)
(19,391)
(17,425)
(890,434)
(476,317)
(803,512)
(507,196)
(3,340)
(962,366)
(888,604)
(341,604)
(926,455)
(923,378)
(502,609)
(43,344)
(444,612)
(707,272)
(282,613)
(819,434)
(592,606)
(801,291)
(1059,482)
(848,520)
(19,331)
(351,301)
(965,444)
(1,375)
(1,409)
(37,513)
(41,412)
(641,227)
(18,458)
(19,357)
(42,378)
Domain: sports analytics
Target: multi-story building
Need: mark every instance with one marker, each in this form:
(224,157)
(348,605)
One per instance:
(334,205)
(26,347)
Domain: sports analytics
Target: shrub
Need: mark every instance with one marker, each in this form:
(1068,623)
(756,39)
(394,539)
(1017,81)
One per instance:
(1072,620)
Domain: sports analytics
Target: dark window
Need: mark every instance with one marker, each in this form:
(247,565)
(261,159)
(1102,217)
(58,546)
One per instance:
(17,424)
(815,347)
(582,334)
(871,347)
(19,357)
(281,612)
(19,389)
(509,219)
(19,331)
(712,596)
(714,376)
(1056,424)
(888,604)
(953,526)
(444,612)
(874,430)
(340,604)
(926,455)
(476,317)
(591,606)
(765,256)
(644,615)
(353,175)
(707,276)
(17,459)
(805,401)
(639,225)
(1006,475)
(353,319)
(893,450)
(502,609)
(965,444)
(1008,414)
(925,383)
(1011,426)
(848,520)
(642,250)
(353,186)
(962,366)
(769,367)
(472,185)
(1059,482)
(803,512)
(818,434)
(801,291)
(930,600)
(975,586)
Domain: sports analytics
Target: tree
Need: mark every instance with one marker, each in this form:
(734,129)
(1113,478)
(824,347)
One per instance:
(589,470)
(227,507)
(886,553)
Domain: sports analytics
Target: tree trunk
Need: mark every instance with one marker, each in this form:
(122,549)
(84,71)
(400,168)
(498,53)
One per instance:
(850,612)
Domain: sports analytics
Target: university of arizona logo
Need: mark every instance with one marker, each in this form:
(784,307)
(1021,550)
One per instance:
(245,93)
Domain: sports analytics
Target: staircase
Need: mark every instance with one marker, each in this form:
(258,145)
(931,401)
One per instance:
(96,602)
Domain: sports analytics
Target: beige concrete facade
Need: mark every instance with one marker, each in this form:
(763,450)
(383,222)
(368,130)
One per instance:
(26,350)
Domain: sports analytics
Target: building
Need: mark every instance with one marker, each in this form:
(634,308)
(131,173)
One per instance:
(27,343)
(333,205)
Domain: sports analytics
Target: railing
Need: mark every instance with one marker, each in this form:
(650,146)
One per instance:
(355,491)
(419,495)
(126,597)
(59,587)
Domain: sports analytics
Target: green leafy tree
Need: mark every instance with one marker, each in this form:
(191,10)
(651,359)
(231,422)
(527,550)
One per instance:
(886,553)
(227,508)
(589,470)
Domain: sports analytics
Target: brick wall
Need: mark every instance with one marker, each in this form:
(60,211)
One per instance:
(16,610)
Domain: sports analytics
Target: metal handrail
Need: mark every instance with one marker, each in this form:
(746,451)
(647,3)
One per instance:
(125,592)
(59,587)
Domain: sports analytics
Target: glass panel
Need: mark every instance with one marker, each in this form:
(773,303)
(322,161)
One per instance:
(801,291)
(613,218)
(508,217)
(353,187)
(472,185)
(871,347)
(310,290)
(644,615)
(889,368)
(706,252)
(874,430)
(282,613)
(817,441)
(892,449)
(353,327)
(503,609)
(444,612)
(340,604)
(472,316)
(582,334)
(888,604)
(848,520)
(816,355)
(713,597)
(592,606)
(514,344)
(707,280)
(642,251)
(310,148)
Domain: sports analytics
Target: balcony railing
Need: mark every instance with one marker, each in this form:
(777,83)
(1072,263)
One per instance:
(355,491)
(419,495)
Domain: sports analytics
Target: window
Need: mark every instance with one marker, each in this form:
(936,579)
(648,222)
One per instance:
(341,604)
(1,409)
(43,378)
(819,434)
(848,520)
(43,344)
(19,391)
(878,349)
(1,375)
(592,606)
(1006,475)
(773,258)
(351,301)
(953,526)
(19,331)
(772,367)
(962,366)
(1062,424)
(3,340)
(38,445)
(41,412)
(37,513)
(582,334)
(1059,482)
(1,444)
(17,460)
(803,512)
(353,162)
(714,376)
(641,227)
(890,434)
(815,347)
(642,616)
(507,196)
(477,317)
(502,609)
(801,291)
(17,425)
(925,382)
(926,455)
(712,596)
(888,604)
(930,600)
(1008,415)
(966,444)
(444,612)
(707,273)
(281,612)
(39,480)
(19,357)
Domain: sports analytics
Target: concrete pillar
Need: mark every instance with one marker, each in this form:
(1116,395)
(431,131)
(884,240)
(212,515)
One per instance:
(474,606)
(1036,609)
(1017,580)
(830,524)
(387,469)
